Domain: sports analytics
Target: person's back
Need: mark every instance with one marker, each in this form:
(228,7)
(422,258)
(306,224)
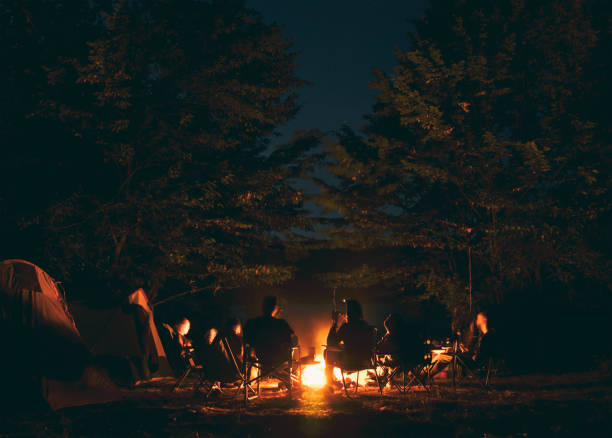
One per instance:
(270,337)
(356,336)
(401,341)
(173,348)
(235,340)
(486,346)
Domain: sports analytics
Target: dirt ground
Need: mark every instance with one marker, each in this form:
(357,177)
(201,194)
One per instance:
(520,406)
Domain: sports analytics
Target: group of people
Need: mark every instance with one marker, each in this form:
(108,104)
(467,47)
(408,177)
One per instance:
(350,342)
(222,351)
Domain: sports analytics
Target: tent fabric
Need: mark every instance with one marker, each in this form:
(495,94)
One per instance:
(42,348)
(139,298)
(126,332)
(36,323)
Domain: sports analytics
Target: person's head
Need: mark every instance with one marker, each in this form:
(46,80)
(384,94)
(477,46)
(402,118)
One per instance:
(353,310)
(482,321)
(270,306)
(338,317)
(393,323)
(234,326)
(182,326)
(210,335)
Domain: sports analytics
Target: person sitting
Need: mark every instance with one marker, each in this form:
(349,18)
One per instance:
(220,358)
(216,359)
(356,339)
(235,340)
(332,353)
(391,343)
(474,351)
(486,344)
(208,353)
(401,346)
(176,344)
(269,336)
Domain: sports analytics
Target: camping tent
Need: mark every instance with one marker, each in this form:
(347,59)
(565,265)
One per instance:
(124,332)
(42,349)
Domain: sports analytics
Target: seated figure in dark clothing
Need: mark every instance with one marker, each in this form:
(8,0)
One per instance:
(175,343)
(475,351)
(392,342)
(233,335)
(269,336)
(215,357)
(401,345)
(356,339)
(486,344)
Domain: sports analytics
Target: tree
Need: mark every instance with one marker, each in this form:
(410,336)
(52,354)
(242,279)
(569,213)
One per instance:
(483,149)
(34,171)
(174,104)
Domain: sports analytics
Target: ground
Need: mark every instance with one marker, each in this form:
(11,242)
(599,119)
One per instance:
(519,406)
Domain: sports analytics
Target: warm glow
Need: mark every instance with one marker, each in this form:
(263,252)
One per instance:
(313,375)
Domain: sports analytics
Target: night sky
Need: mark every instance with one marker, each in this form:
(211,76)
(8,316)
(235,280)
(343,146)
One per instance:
(339,43)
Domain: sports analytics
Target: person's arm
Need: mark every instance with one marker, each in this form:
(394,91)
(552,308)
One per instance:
(292,336)
(332,336)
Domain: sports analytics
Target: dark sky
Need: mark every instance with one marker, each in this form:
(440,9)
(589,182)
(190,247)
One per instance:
(340,42)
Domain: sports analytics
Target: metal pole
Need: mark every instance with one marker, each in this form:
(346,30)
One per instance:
(470,276)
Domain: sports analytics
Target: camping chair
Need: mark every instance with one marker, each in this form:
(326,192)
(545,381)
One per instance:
(191,366)
(482,375)
(287,370)
(412,374)
(357,361)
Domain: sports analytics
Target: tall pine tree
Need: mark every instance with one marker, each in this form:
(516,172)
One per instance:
(483,149)
(173,104)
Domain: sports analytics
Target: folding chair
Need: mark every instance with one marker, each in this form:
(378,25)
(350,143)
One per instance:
(191,366)
(363,359)
(287,370)
(411,375)
(205,374)
(356,364)
(482,374)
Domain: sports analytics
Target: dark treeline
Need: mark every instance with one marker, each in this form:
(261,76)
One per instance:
(487,158)
(137,152)
(135,144)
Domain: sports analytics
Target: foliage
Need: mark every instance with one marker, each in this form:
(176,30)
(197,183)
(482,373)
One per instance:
(173,107)
(488,137)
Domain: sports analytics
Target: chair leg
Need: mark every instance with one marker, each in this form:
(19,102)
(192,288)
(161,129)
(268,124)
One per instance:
(454,370)
(489,366)
(344,383)
(182,379)
(380,388)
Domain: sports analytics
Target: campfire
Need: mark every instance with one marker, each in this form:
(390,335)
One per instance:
(313,375)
